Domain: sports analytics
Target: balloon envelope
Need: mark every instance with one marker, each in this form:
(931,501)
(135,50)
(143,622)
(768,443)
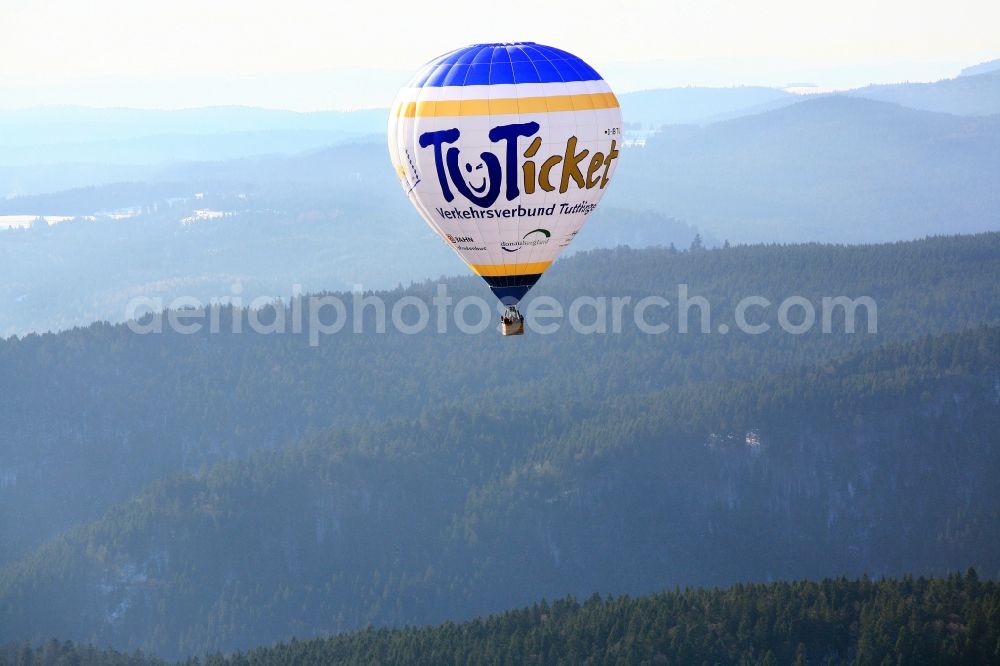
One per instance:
(505,150)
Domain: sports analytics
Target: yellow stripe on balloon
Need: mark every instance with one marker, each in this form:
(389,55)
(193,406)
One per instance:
(507,105)
(501,270)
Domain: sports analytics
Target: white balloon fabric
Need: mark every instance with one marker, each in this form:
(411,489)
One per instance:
(505,150)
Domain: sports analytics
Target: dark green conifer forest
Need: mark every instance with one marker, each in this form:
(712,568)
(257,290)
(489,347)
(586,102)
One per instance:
(187,494)
(952,620)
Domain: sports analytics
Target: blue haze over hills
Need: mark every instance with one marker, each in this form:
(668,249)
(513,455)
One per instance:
(744,164)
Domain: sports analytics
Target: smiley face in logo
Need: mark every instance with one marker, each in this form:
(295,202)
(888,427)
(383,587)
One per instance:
(479,182)
(472,174)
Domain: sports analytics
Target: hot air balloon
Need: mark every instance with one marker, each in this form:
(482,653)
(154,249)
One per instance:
(505,150)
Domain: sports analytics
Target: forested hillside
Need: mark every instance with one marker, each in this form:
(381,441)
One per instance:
(950,621)
(94,414)
(882,461)
(834,621)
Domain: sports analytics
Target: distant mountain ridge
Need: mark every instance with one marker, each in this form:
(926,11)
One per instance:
(822,169)
(981,68)
(830,168)
(50,135)
(58,124)
(695,105)
(971,94)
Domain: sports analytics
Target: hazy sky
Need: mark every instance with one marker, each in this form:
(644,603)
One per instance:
(187,52)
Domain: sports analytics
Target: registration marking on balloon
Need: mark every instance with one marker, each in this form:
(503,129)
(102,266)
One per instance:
(505,150)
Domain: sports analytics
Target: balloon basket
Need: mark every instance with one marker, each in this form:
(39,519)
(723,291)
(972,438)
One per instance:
(512,323)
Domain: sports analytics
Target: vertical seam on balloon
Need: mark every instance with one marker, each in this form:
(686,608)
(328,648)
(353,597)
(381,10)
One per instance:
(576,125)
(576,121)
(520,194)
(548,116)
(509,175)
(489,121)
(532,256)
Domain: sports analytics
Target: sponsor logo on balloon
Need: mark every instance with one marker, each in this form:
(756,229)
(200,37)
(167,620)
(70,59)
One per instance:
(462,243)
(480,179)
(541,238)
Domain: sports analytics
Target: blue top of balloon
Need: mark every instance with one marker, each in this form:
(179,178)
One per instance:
(514,62)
